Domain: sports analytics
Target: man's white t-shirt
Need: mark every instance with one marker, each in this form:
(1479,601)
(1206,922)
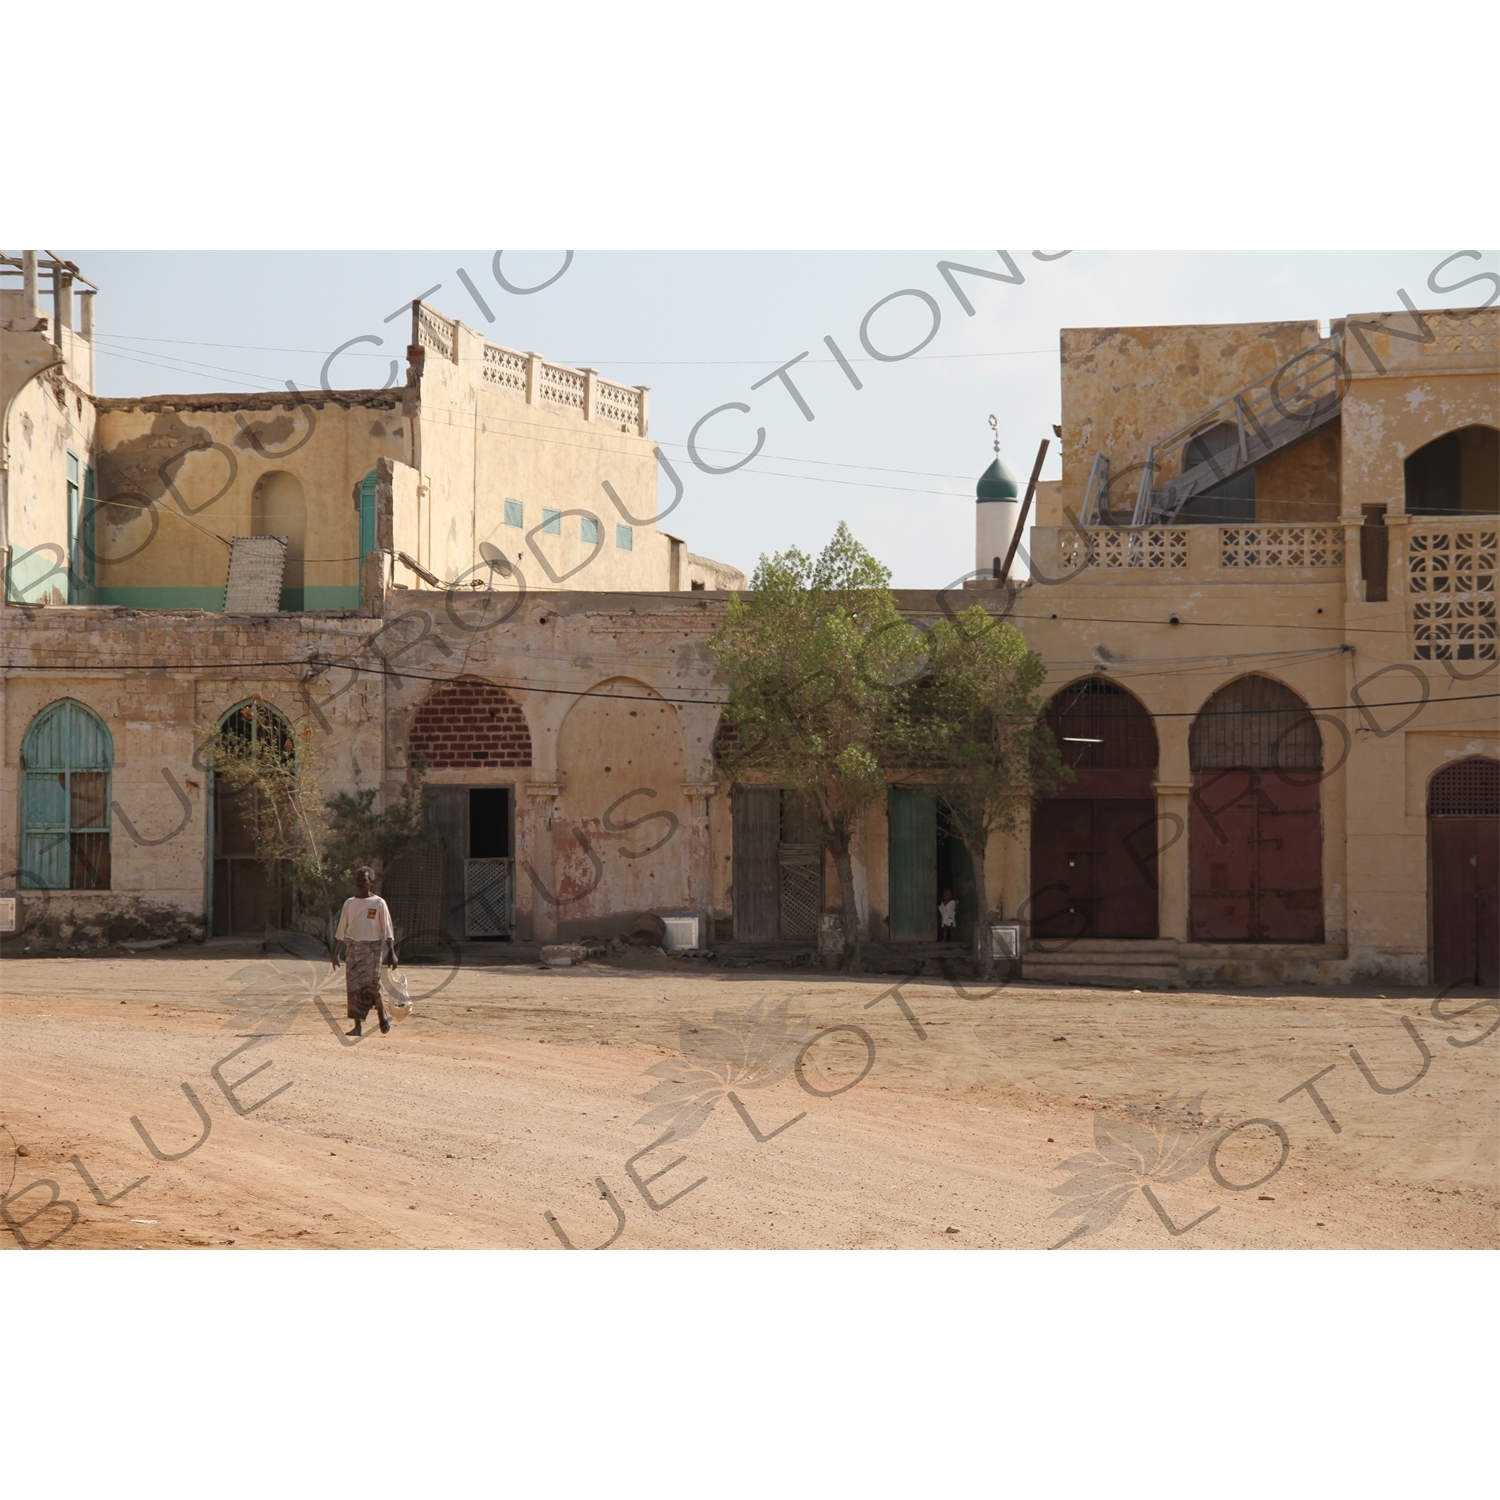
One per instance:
(364,919)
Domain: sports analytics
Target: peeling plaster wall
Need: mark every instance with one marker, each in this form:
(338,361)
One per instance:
(52,415)
(1308,626)
(177,475)
(1124,388)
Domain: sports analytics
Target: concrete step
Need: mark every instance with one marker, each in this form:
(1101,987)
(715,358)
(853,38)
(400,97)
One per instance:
(1126,947)
(1107,979)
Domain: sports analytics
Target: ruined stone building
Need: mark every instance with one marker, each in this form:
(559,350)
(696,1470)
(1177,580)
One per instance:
(1263,589)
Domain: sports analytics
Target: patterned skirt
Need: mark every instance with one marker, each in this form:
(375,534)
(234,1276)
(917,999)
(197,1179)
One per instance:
(362,979)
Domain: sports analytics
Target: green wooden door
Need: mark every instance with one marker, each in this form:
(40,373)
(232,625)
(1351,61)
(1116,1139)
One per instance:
(913,864)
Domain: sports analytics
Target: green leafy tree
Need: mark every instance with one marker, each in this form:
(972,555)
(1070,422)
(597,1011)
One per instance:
(816,659)
(316,842)
(975,721)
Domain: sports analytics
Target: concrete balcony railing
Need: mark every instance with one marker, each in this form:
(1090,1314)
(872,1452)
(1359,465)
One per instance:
(1223,553)
(532,379)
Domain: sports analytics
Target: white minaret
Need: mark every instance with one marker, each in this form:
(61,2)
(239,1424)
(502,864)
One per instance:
(997,509)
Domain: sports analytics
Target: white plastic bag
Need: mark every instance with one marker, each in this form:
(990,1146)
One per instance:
(399,1001)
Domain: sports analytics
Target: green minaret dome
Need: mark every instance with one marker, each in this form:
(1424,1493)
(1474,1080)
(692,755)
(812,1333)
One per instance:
(997,483)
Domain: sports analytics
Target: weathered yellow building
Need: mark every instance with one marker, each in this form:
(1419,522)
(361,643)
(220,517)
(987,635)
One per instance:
(1266,586)
(1264,590)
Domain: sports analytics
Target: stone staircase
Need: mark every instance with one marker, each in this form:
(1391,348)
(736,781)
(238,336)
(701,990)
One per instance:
(1108,963)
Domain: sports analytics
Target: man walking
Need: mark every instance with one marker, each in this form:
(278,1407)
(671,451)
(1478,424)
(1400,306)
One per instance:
(367,935)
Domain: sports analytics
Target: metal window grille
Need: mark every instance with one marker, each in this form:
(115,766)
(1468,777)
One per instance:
(1467,789)
(1256,724)
(1099,724)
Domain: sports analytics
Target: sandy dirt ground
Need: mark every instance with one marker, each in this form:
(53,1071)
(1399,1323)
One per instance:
(809,1111)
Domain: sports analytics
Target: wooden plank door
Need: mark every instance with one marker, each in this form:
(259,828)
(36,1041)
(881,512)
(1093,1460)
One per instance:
(448,817)
(757,831)
(913,864)
(1465,900)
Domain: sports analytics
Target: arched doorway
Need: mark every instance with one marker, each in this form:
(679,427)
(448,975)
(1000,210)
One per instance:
(1094,843)
(66,757)
(1255,840)
(1463,836)
(249,894)
(464,886)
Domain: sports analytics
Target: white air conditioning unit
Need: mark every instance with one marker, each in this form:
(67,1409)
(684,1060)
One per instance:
(1005,942)
(681,935)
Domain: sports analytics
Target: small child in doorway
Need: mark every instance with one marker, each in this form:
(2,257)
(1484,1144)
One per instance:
(367,936)
(948,917)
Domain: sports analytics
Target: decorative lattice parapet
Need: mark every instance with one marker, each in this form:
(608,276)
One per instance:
(434,330)
(618,405)
(505,368)
(530,378)
(1281,546)
(1124,547)
(562,386)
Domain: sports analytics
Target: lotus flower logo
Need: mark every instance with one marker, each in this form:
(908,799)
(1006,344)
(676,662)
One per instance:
(749,1049)
(275,991)
(1165,1143)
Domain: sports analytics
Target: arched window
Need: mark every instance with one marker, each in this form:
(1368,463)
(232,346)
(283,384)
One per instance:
(1094,841)
(248,893)
(1255,843)
(279,508)
(1463,832)
(1457,474)
(67,756)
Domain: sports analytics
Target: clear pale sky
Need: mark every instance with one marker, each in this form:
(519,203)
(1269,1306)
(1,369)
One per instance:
(896,459)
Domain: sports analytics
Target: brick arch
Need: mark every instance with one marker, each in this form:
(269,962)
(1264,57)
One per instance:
(469,723)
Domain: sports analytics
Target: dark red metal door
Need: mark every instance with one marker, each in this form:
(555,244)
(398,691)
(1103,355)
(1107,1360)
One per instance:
(1465,900)
(1255,850)
(1093,868)
(1062,857)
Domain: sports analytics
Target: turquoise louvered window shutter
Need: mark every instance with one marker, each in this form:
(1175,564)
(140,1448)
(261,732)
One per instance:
(366,524)
(74,561)
(86,542)
(68,755)
(366,517)
(44,857)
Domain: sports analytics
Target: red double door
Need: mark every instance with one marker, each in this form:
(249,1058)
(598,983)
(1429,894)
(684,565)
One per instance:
(1465,900)
(1255,856)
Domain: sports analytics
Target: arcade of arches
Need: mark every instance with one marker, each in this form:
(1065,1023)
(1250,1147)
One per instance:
(1254,830)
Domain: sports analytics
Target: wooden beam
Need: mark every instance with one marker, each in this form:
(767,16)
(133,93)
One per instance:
(1015,541)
